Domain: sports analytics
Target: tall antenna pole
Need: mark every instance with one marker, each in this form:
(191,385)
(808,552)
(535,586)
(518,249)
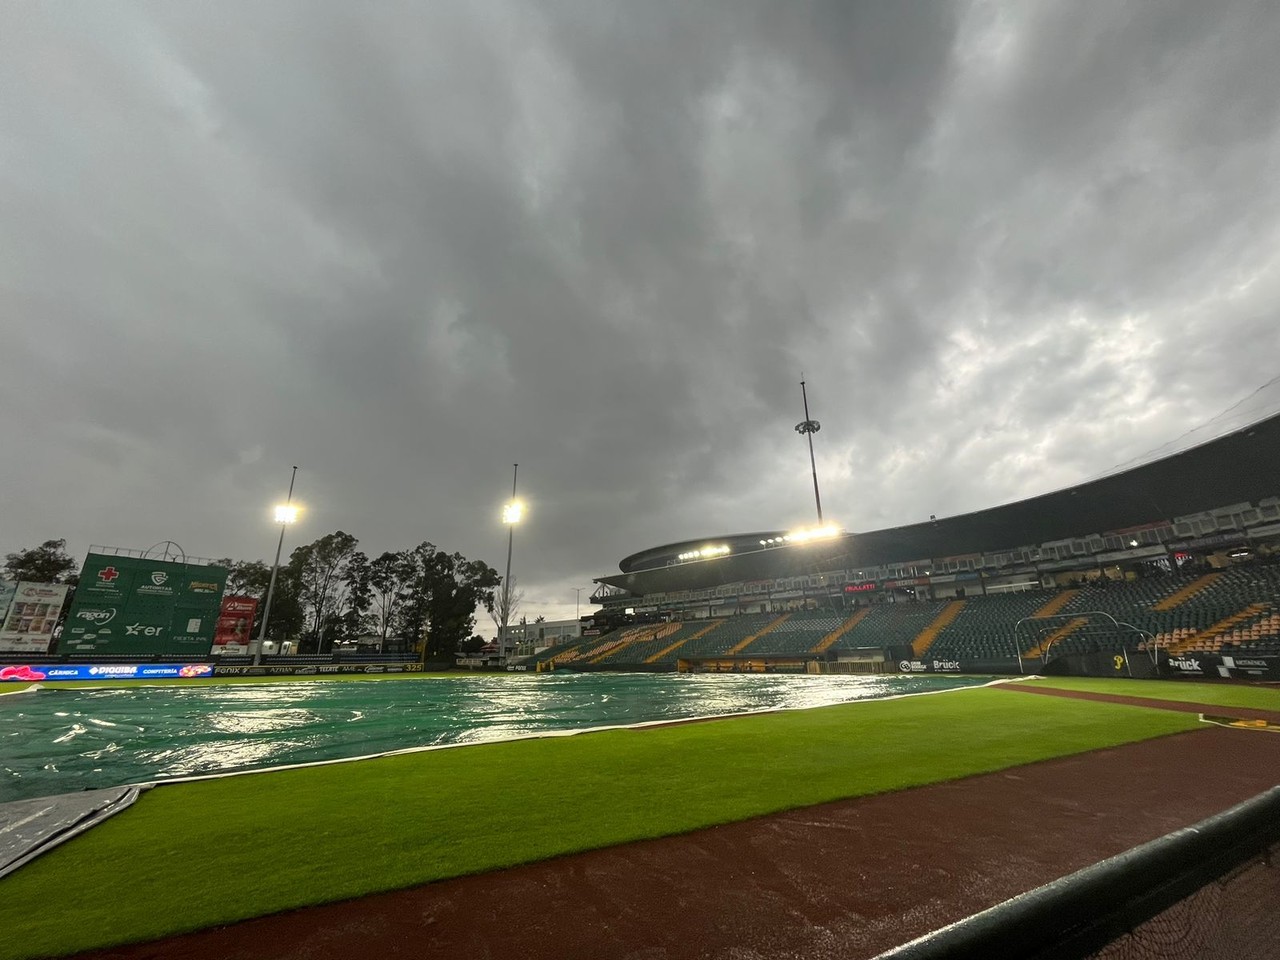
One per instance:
(809,427)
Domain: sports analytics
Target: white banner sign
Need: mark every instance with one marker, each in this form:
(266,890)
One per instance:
(7,588)
(28,627)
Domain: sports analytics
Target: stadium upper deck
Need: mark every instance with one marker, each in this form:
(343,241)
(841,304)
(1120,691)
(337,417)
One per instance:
(1219,493)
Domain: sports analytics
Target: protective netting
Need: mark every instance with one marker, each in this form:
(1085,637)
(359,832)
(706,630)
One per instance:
(1234,918)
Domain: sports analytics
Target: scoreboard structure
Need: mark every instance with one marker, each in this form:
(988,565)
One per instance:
(133,605)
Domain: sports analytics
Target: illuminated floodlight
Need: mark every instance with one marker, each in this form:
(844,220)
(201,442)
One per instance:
(286,513)
(705,553)
(809,534)
(512,512)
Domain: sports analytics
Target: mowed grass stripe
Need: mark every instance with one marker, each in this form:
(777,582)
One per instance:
(195,855)
(1184,691)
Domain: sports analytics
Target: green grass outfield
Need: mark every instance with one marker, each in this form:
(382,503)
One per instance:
(189,856)
(1187,691)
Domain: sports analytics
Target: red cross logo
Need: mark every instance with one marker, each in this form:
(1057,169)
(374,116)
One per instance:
(108,574)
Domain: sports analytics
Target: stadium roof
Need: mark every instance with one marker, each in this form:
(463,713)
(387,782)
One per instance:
(1243,466)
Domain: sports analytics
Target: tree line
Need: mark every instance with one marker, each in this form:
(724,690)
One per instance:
(330,592)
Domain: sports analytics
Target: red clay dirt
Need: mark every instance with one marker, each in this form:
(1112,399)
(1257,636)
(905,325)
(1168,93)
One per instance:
(847,879)
(1180,706)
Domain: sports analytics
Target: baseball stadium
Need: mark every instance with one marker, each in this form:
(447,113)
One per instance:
(1043,729)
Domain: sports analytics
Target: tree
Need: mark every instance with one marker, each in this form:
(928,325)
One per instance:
(252,578)
(505,616)
(320,569)
(47,563)
(442,594)
(390,577)
(458,587)
(246,578)
(356,579)
(288,615)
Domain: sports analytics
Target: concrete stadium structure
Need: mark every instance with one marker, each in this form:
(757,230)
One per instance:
(1168,568)
(1217,496)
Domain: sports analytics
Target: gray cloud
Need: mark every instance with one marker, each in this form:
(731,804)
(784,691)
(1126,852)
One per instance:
(407,245)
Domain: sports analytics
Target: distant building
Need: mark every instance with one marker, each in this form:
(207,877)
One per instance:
(527,638)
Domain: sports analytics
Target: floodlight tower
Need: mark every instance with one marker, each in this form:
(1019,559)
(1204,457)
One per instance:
(809,427)
(286,514)
(512,513)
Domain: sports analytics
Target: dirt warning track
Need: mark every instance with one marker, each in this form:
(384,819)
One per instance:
(846,879)
(1179,706)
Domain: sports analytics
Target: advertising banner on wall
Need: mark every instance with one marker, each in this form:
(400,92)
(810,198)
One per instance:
(313,669)
(7,590)
(132,605)
(33,612)
(1237,666)
(34,673)
(235,626)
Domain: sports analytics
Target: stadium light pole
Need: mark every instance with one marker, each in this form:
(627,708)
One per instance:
(577,602)
(511,514)
(286,513)
(809,427)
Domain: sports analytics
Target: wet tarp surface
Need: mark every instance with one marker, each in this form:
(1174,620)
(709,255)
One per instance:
(29,828)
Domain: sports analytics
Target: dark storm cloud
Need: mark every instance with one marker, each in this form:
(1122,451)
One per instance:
(405,245)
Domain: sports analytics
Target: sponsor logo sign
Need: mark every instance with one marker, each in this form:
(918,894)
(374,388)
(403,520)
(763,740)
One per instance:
(27,627)
(98,617)
(231,636)
(106,671)
(161,607)
(929,666)
(310,669)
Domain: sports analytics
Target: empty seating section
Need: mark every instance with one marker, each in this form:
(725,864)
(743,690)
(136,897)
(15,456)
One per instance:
(644,642)
(1218,613)
(719,641)
(832,638)
(799,633)
(984,629)
(560,649)
(924,639)
(1244,607)
(1232,611)
(890,624)
(664,655)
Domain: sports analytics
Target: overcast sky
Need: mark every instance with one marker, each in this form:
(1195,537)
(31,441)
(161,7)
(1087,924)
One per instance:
(404,246)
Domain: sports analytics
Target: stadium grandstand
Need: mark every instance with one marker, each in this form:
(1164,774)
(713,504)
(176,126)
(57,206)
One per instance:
(1176,559)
